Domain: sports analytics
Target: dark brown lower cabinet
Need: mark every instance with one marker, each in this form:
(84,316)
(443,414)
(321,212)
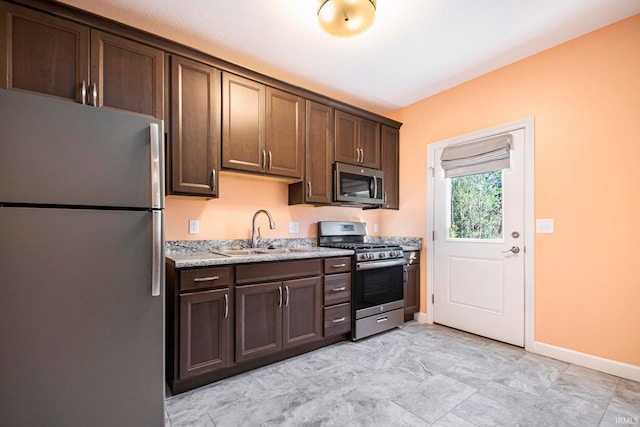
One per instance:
(258,320)
(302,320)
(204,332)
(411,290)
(274,316)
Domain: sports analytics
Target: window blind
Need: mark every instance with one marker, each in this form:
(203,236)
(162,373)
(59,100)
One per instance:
(485,155)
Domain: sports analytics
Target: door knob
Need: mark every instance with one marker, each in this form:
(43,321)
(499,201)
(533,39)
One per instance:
(514,249)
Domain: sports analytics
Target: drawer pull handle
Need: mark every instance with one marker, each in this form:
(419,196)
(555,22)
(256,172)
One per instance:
(339,320)
(339,265)
(226,306)
(340,289)
(206,279)
(382,319)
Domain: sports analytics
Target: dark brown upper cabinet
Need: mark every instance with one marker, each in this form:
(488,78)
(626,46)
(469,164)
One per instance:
(285,133)
(390,143)
(41,53)
(262,128)
(127,76)
(318,183)
(48,55)
(357,140)
(195,128)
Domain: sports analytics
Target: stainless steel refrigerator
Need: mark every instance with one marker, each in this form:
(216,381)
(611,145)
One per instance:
(81,265)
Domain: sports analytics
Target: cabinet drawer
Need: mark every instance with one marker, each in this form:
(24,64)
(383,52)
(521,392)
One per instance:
(277,270)
(337,319)
(337,288)
(202,278)
(337,265)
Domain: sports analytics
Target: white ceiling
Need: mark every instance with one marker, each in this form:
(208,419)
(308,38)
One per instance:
(415,48)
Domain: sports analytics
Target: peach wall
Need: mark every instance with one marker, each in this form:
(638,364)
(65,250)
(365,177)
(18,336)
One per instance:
(585,98)
(229,217)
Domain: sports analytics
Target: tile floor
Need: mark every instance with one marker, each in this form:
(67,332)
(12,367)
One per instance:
(416,375)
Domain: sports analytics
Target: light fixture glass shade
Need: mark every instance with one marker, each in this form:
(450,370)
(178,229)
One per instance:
(345,18)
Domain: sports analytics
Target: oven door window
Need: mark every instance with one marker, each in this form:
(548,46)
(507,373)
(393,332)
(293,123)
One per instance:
(378,286)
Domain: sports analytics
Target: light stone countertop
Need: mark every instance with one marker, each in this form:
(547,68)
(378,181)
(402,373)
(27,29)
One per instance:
(202,253)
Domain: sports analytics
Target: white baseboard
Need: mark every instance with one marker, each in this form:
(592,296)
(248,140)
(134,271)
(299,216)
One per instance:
(619,369)
(420,317)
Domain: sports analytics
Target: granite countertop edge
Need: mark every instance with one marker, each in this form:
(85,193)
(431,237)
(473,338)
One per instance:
(207,259)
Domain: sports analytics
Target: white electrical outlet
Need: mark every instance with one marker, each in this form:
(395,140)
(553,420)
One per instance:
(194,226)
(375,228)
(293,227)
(544,226)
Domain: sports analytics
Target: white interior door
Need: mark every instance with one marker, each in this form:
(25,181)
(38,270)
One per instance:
(479,249)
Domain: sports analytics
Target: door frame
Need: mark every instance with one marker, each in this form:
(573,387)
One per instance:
(528,125)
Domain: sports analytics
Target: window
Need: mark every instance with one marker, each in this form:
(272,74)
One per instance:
(476,206)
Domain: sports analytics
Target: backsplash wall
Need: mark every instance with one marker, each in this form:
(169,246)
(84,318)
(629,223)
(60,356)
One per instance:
(229,217)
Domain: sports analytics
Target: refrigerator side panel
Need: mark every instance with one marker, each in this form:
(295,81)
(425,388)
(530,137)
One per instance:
(82,337)
(57,152)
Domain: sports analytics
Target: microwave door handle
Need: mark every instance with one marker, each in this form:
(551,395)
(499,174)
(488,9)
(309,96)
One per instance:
(375,187)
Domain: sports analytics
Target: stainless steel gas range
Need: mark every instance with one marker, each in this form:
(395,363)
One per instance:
(377,302)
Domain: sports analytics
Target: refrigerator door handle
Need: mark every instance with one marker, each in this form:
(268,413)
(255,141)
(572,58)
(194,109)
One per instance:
(156,185)
(157,255)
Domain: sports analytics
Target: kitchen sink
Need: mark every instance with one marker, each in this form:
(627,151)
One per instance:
(258,251)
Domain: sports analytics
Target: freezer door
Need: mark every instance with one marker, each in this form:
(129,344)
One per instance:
(58,152)
(81,335)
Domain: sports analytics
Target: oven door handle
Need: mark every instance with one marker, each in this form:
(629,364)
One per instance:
(379,264)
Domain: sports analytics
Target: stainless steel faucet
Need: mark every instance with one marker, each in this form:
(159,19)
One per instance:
(256,236)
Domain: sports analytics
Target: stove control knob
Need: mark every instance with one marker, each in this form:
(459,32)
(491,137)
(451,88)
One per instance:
(382,255)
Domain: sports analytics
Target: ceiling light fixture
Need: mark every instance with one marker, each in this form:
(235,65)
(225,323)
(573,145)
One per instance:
(346,18)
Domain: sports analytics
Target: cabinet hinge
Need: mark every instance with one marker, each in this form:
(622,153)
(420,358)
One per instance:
(433,235)
(433,171)
(433,298)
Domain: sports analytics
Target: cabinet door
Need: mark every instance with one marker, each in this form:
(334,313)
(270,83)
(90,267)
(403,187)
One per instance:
(346,138)
(390,143)
(243,124)
(195,127)
(129,76)
(411,290)
(302,321)
(285,133)
(258,320)
(41,53)
(204,332)
(319,153)
(369,134)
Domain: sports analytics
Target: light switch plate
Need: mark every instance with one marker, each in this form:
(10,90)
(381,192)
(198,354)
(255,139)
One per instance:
(194,226)
(544,226)
(294,227)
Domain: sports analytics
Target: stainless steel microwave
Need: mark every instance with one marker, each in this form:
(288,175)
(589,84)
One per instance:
(357,184)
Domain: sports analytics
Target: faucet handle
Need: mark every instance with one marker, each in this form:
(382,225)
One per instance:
(259,236)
